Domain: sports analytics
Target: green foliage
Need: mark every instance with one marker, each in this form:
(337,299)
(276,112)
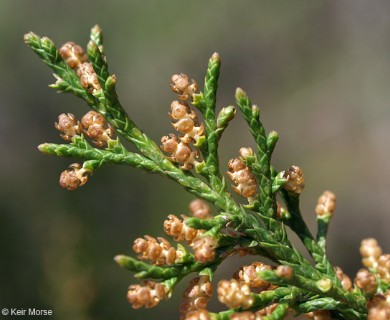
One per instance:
(254,227)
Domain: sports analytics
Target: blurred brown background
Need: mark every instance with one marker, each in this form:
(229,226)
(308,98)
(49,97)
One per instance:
(320,70)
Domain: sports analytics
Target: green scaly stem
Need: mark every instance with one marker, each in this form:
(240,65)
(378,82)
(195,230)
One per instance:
(235,226)
(262,171)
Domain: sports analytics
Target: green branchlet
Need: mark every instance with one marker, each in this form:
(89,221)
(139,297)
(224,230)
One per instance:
(322,230)
(254,228)
(97,37)
(225,116)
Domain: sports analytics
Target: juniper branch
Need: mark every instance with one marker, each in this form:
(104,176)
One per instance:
(254,227)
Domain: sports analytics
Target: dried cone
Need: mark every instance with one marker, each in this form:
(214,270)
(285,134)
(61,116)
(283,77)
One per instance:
(199,209)
(159,251)
(295,180)
(234,294)
(169,143)
(68,126)
(180,110)
(183,87)
(177,229)
(96,128)
(383,267)
(266,311)
(73,54)
(88,77)
(148,295)
(326,204)
(370,252)
(285,272)
(75,176)
(249,275)
(379,307)
(366,281)
(196,296)
(345,281)
(204,249)
(180,152)
(186,122)
(242,176)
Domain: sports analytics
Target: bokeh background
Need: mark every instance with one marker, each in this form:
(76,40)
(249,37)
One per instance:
(320,70)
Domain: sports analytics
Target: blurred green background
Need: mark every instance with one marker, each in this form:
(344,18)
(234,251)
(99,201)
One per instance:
(320,70)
